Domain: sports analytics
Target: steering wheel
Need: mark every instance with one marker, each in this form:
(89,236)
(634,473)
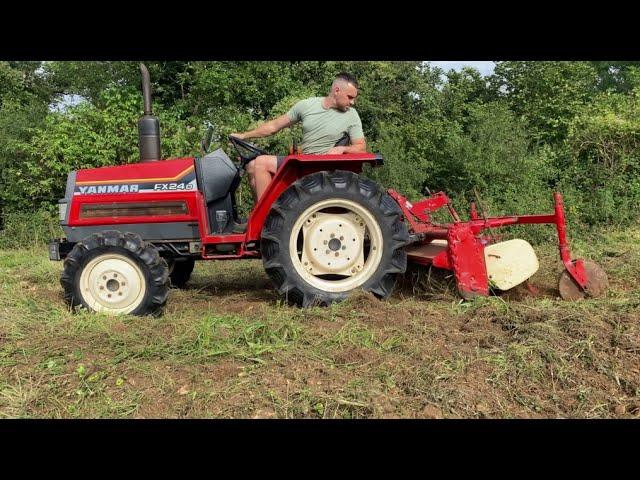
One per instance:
(246,151)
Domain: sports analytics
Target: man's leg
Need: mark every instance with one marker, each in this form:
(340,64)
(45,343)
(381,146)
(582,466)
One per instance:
(251,171)
(261,172)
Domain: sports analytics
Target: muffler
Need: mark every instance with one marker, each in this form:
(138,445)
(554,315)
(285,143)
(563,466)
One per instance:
(148,125)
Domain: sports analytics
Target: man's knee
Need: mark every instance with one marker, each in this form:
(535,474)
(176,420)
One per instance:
(266,162)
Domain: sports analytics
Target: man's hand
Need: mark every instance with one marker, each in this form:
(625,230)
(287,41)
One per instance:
(357,146)
(238,135)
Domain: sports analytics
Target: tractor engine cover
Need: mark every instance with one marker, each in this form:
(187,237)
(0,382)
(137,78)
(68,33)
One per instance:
(510,263)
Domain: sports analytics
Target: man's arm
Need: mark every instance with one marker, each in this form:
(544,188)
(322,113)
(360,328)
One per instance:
(358,145)
(268,128)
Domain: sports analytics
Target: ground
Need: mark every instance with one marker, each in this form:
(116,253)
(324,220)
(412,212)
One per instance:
(228,347)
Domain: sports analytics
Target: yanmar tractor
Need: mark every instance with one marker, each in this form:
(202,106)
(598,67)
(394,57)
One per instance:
(321,230)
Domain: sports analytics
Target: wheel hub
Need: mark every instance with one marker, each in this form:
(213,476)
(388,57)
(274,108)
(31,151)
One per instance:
(333,244)
(336,245)
(112,284)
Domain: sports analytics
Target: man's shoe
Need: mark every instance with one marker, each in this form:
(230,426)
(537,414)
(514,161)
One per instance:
(239,227)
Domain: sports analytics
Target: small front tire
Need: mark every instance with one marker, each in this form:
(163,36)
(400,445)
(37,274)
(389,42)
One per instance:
(115,273)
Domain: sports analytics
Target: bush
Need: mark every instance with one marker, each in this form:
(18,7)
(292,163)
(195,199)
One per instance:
(602,165)
(29,229)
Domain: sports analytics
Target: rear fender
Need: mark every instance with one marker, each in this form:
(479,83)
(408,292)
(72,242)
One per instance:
(295,167)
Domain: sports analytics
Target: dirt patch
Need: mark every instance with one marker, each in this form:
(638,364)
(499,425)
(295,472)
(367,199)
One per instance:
(356,356)
(51,295)
(362,300)
(181,391)
(431,412)
(412,356)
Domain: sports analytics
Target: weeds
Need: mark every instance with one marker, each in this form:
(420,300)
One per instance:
(227,347)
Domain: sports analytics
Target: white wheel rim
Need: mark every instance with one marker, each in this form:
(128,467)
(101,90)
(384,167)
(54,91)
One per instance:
(112,284)
(334,244)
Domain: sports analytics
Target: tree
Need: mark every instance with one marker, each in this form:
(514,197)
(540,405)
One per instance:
(546,95)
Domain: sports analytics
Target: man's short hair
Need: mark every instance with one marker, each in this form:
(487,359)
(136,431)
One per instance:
(347,77)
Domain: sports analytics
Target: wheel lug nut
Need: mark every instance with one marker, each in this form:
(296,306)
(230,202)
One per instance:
(325,242)
(327,252)
(332,235)
(344,248)
(120,293)
(341,237)
(337,254)
(115,275)
(109,295)
(101,287)
(104,277)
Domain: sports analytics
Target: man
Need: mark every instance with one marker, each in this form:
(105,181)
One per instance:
(325,120)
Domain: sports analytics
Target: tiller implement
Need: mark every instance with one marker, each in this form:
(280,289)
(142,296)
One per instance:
(479,264)
(321,230)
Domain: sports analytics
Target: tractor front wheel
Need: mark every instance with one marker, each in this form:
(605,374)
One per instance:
(330,234)
(115,273)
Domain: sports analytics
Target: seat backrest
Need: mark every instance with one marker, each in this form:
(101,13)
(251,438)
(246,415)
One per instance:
(344,141)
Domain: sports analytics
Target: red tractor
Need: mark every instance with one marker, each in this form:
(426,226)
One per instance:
(321,230)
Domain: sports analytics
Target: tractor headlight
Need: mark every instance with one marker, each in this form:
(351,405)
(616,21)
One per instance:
(62,207)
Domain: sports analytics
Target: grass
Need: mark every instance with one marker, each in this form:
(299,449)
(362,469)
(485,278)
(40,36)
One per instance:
(227,347)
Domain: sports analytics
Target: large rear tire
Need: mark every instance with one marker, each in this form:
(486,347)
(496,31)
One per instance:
(115,273)
(330,234)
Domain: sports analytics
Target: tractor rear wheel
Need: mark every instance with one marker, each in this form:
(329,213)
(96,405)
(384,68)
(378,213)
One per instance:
(332,233)
(115,273)
(180,271)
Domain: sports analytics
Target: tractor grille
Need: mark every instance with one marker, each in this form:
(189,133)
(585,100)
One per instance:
(133,209)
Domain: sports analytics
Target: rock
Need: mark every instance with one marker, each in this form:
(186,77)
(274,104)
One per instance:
(431,411)
(619,410)
(483,410)
(263,413)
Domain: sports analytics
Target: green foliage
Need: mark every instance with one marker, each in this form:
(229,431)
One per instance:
(85,136)
(29,229)
(24,97)
(515,136)
(617,76)
(604,141)
(545,94)
(493,158)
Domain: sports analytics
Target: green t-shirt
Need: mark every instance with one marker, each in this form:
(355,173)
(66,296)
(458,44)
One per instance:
(323,127)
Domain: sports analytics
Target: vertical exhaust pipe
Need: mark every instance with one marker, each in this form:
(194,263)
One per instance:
(148,125)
